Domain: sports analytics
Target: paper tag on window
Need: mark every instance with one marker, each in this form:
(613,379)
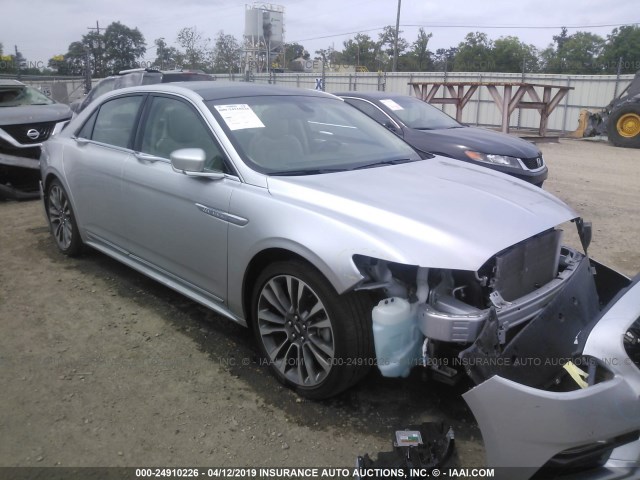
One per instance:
(391,104)
(239,116)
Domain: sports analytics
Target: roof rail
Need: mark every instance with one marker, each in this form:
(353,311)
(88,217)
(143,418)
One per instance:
(133,70)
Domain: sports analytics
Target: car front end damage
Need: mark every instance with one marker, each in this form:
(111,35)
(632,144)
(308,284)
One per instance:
(550,338)
(27,119)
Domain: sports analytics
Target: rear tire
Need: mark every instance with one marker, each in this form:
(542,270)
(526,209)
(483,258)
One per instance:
(623,126)
(315,341)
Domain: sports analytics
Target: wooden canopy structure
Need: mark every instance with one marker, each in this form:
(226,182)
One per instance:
(507,99)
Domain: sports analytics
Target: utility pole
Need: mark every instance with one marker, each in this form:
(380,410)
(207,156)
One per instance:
(98,57)
(395,40)
(18,58)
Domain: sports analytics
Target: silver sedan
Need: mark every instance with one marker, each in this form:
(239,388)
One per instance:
(344,249)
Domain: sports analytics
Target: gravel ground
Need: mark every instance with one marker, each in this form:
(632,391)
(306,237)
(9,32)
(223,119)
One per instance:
(100,366)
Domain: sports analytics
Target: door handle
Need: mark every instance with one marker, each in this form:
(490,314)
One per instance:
(145,157)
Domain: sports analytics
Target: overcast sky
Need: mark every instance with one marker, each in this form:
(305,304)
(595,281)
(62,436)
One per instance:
(42,29)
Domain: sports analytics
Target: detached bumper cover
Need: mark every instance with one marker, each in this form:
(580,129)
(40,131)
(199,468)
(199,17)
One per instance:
(523,426)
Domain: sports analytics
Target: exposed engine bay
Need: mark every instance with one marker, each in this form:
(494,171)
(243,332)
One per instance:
(520,326)
(468,318)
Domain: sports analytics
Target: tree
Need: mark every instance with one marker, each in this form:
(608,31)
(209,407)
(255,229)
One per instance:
(196,48)
(573,54)
(291,52)
(295,50)
(71,63)
(94,43)
(443,59)
(360,51)
(167,57)
(474,54)
(120,47)
(123,47)
(511,55)
(623,43)
(227,54)
(385,46)
(420,54)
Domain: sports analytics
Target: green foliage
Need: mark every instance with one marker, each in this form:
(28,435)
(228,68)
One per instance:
(123,47)
(511,55)
(227,54)
(443,59)
(622,48)
(167,58)
(118,48)
(573,54)
(420,57)
(197,52)
(73,62)
(361,50)
(474,54)
(295,50)
(385,48)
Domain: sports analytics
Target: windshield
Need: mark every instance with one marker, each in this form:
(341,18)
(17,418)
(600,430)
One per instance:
(21,95)
(420,115)
(298,135)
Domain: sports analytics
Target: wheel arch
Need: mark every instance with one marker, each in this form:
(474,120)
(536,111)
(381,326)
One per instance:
(47,181)
(258,263)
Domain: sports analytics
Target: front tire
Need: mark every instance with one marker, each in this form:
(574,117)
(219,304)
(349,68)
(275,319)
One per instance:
(315,341)
(62,221)
(623,126)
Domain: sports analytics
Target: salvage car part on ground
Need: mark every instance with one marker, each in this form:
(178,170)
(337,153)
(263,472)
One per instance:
(417,451)
(288,211)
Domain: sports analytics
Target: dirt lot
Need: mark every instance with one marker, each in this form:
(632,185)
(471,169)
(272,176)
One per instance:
(100,366)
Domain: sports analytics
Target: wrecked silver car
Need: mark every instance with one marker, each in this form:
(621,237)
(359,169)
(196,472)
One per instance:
(290,212)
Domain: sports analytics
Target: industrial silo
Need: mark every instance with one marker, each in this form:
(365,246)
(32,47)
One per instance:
(263,34)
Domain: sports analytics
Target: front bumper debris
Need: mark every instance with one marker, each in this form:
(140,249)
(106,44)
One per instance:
(531,426)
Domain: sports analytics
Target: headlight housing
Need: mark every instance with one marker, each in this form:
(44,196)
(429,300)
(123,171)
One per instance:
(504,160)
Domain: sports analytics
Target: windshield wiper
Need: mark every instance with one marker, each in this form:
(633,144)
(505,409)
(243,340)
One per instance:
(383,163)
(307,171)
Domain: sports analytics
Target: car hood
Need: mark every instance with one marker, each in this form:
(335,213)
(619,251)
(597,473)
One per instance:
(454,141)
(438,213)
(56,112)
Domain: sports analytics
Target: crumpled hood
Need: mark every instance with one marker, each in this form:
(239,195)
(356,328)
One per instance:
(56,112)
(455,141)
(439,213)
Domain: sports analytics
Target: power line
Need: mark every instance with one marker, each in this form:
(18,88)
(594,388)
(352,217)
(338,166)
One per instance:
(434,25)
(529,27)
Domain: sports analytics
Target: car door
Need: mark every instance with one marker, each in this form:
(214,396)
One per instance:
(176,223)
(94,168)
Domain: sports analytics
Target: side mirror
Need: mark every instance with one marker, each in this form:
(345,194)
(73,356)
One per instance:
(188,160)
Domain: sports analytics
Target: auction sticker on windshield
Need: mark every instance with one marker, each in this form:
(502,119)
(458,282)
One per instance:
(239,116)
(391,104)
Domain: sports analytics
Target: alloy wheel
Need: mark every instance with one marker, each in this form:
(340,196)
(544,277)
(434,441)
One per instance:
(296,330)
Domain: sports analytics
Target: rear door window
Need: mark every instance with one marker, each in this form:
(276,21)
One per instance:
(116,121)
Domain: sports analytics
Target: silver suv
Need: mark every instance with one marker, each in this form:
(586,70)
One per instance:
(27,118)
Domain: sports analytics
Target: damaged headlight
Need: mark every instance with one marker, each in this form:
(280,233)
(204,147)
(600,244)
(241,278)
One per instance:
(495,159)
